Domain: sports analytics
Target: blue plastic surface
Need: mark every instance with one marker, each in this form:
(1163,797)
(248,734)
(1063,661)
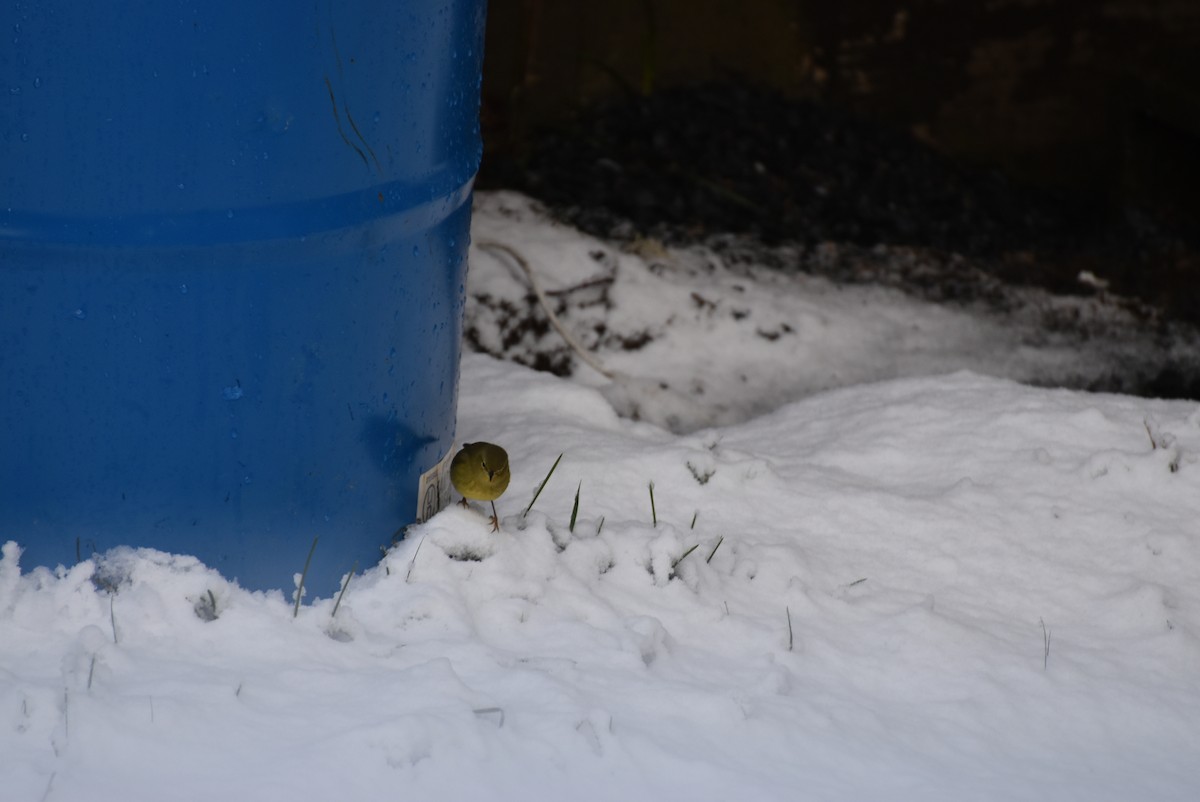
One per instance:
(232,252)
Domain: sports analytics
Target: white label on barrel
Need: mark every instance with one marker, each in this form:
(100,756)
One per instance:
(433,491)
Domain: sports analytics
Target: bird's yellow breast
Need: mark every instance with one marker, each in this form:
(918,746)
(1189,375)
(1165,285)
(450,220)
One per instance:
(480,471)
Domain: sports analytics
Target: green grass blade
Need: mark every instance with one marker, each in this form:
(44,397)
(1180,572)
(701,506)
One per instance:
(542,486)
(575,508)
(714,551)
(303,575)
(684,556)
(338,603)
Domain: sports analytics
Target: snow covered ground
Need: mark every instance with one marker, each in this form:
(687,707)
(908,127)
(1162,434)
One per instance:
(734,340)
(943,586)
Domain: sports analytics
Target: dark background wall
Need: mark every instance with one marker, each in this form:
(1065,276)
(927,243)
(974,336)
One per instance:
(1101,96)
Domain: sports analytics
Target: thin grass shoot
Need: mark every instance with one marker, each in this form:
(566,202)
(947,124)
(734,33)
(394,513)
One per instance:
(542,486)
(345,585)
(714,549)
(684,556)
(303,576)
(575,508)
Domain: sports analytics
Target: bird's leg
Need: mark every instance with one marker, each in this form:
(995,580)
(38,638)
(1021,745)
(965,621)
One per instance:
(464,502)
(495,519)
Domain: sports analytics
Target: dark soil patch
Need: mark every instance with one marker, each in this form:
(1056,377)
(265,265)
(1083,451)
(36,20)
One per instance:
(704,163)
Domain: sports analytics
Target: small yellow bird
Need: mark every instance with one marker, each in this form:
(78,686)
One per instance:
(480,471)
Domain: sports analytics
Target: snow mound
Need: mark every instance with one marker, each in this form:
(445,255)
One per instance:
(942,588)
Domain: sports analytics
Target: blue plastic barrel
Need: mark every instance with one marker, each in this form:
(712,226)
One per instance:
(232,251)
